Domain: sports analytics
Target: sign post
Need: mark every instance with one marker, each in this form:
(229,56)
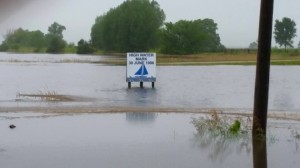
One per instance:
(141,67)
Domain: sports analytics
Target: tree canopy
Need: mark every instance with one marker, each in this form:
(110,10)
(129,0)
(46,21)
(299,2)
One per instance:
(15,39)
(189,37)
(55,40)
(131,27)
(253,45)
(84,47)
(285,31)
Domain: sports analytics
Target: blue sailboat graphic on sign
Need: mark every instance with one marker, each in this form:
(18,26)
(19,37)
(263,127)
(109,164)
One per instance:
(142,71)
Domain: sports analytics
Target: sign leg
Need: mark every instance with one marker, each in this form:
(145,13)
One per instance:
(129,85)
(141,84)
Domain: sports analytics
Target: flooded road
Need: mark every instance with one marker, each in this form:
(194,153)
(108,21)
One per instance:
(94,85)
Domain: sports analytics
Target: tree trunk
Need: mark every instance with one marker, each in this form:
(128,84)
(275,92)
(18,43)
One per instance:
(285,48)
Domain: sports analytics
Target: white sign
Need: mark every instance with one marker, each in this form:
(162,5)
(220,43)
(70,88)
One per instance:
(141,67)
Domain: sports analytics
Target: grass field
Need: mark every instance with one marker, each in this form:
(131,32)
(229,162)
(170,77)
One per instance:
(228,57)
(240,58)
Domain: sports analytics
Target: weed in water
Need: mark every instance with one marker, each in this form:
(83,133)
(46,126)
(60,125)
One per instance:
(295,134)
(47,96)
(221,134)
(218,125)
(235,127)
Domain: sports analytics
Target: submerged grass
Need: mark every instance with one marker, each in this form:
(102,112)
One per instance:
(221,134)
(217,129)
(296,134)
(217,124)
(47,96)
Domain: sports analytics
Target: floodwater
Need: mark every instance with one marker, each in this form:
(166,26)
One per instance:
(222,87)
(129,140)
(133,139)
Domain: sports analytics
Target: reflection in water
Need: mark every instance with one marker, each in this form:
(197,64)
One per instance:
(213,136)
(219,146)
(140,117)
(259,153)
(217,134)
(142,97)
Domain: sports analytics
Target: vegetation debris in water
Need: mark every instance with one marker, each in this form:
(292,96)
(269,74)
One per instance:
(47,96)
(217,124)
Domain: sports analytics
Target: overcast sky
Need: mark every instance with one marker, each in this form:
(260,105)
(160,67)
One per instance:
(237,19)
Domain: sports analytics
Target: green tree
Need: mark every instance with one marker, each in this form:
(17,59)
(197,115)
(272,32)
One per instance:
(56,43)
(37,40)
(21,38)
(84,47)
(132,26)
(4,47)
(253,45)
(285,31)
(189,37)
(17,38)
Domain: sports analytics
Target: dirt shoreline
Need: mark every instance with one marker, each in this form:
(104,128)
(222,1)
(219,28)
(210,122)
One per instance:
(282,115)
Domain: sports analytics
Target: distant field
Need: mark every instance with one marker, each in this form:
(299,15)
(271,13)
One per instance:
(218,59)
(226,59)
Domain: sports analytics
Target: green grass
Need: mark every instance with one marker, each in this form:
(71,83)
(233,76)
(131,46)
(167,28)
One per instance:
(70,50)
(212,59)
(27,50)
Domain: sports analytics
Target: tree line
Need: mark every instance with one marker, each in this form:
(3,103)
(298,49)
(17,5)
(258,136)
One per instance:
(139,26)
(53,41)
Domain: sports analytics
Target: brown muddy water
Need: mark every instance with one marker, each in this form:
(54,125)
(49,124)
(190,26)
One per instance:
(33,87)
